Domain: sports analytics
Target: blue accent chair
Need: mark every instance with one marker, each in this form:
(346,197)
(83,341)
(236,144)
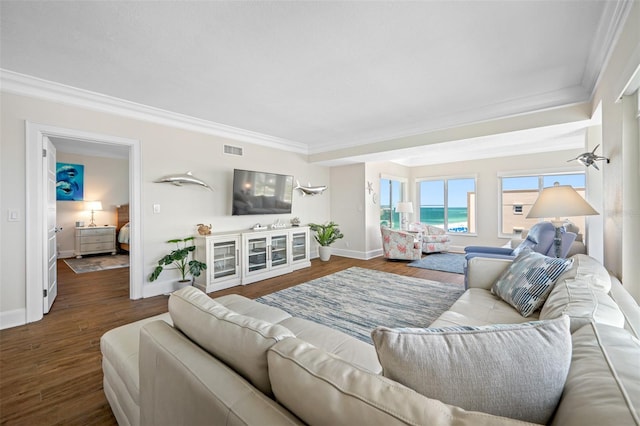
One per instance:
(540,239)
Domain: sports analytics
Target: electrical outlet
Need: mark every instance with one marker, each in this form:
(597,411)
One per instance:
(156,208)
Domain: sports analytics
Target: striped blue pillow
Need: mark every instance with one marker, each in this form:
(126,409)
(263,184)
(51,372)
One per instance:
(529,280)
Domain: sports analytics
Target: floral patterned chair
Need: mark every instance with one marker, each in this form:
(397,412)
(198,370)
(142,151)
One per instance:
(434,239)
(401,245)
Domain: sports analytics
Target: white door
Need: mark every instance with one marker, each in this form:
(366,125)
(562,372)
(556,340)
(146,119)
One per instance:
(50,268)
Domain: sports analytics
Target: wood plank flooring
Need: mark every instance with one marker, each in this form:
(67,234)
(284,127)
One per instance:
(50,370)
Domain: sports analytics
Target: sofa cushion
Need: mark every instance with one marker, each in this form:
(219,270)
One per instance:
(245,306)
(581,293)
(515,371)
(528,281)
(603,386)
(238,340)
(343,394)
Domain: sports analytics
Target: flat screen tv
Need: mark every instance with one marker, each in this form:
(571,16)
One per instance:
(261,193)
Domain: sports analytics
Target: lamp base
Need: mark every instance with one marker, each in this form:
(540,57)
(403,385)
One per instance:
(557,239)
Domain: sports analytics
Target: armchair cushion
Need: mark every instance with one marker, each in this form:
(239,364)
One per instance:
(434,239)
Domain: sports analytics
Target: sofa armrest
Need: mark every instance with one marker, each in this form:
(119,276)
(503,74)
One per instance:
(489,250)
(180,383)
(482,272)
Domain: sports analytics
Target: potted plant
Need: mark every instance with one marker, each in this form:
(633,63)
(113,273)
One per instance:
(325,235)
(179,257)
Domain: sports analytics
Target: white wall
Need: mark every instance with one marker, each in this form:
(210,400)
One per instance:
(106,180)
(164,150)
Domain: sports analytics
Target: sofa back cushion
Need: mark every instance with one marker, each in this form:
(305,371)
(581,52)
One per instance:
(581,293)
(515,371)
(322,389)
(603,387)
(239,341)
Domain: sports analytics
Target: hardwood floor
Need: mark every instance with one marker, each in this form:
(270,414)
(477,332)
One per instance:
(50,370)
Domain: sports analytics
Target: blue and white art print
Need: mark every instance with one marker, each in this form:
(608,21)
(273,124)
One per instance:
(69,182)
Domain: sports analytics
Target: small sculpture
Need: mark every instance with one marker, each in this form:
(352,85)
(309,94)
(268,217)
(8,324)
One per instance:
(204,229)
(295,221)
(179,180)
(310,190)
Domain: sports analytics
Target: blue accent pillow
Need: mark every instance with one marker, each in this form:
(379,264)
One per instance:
(529,280)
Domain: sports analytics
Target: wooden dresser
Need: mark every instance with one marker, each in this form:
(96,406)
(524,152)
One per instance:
(98,239)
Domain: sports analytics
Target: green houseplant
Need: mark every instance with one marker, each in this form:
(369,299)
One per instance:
(325,235)
(179,257)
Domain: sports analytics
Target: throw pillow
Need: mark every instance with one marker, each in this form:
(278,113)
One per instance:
(239,341)
(516,371)
(527,282)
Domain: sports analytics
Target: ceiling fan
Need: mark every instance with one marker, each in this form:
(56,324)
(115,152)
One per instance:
(589,158)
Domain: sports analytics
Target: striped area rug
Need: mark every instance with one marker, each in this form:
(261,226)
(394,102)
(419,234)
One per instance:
(357,300)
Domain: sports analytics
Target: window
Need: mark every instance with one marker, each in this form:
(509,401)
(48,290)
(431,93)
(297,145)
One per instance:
(449,204)
(391,193)
(520,192)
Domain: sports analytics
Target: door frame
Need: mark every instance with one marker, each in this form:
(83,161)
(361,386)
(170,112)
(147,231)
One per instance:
(35,217)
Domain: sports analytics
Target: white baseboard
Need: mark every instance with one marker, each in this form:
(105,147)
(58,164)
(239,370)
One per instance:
(159,288)
(65,254)
(13,318)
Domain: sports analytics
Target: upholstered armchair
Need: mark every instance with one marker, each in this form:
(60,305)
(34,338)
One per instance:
(540,238)
(434,239)
(400,245)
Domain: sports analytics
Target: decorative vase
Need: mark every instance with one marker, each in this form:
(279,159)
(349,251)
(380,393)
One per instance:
(325,253)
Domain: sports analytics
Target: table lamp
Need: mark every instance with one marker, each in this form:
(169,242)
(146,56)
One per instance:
(93,206)
(404,208)
(556,201)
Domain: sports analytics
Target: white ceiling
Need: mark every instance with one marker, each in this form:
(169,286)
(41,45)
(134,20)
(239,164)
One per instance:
(322,76)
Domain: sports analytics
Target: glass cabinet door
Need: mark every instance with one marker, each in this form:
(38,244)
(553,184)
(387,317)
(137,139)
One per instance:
(225,259)
(299,246)
(257,255)
(278,250)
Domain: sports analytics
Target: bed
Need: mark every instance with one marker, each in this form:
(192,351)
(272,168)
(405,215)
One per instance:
(122,226)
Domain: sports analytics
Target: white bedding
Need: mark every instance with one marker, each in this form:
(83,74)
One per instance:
(123,235)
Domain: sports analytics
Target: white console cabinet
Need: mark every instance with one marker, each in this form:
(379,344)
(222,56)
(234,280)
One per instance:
(244,257)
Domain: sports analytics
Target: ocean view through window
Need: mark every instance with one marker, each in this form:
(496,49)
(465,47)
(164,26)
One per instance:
(449,204)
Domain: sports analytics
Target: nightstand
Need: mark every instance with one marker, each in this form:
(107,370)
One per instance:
(96,239)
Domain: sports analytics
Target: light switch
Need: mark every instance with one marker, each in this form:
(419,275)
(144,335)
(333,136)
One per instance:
(13,216)
(156,208)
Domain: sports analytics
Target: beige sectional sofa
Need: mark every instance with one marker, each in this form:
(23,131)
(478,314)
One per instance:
(234,361)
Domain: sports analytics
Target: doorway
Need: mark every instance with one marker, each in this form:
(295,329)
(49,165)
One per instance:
(36,220)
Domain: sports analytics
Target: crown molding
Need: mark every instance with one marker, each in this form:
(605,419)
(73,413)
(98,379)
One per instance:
(609,29)
(26,85)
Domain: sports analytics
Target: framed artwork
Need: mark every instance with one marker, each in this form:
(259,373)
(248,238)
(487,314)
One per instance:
(69,182)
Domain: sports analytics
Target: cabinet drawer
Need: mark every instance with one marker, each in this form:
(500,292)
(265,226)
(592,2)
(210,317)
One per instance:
(96,247)
(93,239)
(95,232)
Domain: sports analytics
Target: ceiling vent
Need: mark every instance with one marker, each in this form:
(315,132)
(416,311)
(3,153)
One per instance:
(233,150)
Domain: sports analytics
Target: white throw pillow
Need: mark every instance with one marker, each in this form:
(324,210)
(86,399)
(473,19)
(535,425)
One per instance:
(515,371)
(239,341)
(528,281)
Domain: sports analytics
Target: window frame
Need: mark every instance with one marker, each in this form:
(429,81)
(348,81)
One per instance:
(404,196)
(446,180)
(539,175)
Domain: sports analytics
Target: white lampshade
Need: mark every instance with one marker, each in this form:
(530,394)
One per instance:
(560,201)
(93,205)
(404,207)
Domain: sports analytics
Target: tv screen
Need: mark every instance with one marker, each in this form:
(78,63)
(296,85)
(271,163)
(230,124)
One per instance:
(261,193)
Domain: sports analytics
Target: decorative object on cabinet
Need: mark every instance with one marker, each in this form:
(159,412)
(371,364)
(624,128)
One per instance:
(181,179)
(204,229)
(94,206)
(69,182)
(326,235)
(179,257)
(589,158)
(295,221)
(278,225)
(96,239)
(310,190)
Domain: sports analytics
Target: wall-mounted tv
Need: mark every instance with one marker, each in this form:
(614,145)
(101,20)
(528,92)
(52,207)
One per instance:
(261,193)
